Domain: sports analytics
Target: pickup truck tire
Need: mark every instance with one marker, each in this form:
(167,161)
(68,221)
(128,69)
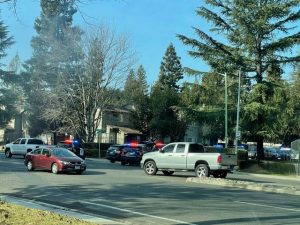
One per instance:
(54,168)
(150,167)
(201,170)
(29,166)
(167,173)
(8,153)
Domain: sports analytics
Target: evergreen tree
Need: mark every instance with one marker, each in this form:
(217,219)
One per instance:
(56,53)
(7,94)
(130,87)
(170,69)
(141,80)
(257,33)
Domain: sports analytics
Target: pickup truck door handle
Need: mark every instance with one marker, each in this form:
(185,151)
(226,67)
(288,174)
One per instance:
(170,155)
(182,155)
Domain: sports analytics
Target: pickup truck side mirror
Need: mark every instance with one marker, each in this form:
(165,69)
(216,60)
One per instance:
(161,151)
(48,154)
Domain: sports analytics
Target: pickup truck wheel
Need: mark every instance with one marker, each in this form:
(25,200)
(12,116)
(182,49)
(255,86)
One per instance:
(54,168)
(202,170)
(167,173)
(8,153)
(29,166)
(150,168)
(112,161)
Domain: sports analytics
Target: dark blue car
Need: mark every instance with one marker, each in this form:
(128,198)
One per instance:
(131,156)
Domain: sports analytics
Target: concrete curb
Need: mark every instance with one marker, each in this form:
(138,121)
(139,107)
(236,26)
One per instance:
(279,177)
(253,186)
(57,209)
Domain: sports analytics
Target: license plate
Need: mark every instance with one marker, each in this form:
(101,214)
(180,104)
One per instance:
(77,167)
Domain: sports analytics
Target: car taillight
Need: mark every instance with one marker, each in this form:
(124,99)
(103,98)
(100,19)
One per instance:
(219,159)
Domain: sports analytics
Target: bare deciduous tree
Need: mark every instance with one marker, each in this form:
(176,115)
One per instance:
(82,95)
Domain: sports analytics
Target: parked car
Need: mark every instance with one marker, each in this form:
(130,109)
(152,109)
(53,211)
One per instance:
(55,159)
(284,154)
(131,155)
(114,152)
(271,153)
(183,156)
(22,146)
(252,152)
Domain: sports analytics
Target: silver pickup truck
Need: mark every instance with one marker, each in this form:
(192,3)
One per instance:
(22,146)
(187,156)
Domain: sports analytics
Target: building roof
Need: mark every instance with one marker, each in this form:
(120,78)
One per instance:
(126,130)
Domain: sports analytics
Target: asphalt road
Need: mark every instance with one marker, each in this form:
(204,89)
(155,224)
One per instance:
(127,195)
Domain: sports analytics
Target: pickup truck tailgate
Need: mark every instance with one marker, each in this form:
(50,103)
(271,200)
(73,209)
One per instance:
(229,159)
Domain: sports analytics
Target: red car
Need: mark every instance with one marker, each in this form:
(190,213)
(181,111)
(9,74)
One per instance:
(54,159)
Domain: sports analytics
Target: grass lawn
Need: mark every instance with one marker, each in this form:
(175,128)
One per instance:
(11,214)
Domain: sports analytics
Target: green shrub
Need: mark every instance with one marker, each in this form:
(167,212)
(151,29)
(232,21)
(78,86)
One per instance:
(279,167)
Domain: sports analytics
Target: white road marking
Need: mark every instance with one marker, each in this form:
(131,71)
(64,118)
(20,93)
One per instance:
(137,213)
(269,206)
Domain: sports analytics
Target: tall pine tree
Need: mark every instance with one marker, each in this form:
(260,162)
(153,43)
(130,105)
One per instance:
(257,34)
(170,69)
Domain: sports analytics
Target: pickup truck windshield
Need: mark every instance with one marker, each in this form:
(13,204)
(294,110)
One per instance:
(196,148)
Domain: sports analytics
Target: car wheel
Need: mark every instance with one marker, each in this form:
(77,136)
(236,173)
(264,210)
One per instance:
(29,166)
(8,153)
(112,161)
(167,173)
(54,168)
(150,168)
(202,170)
(123,163)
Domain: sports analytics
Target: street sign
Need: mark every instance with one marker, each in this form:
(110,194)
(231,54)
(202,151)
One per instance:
(238,135)
(99,131)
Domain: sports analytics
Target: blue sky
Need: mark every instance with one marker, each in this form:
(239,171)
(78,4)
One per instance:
(150,24)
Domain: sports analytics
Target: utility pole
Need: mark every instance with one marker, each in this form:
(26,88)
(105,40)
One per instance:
(226,108)
(237,131)
(226,112)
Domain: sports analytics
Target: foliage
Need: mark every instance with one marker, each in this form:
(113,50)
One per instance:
(56,53)
(256,35)
(7,93)
(81,97)
(170,69)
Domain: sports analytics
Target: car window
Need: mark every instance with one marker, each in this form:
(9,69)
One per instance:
(180,148)
(35,142)
(36,151)
(62,152)
(196,148)
(45,152)
(169,148)
(23,141)
(17,141)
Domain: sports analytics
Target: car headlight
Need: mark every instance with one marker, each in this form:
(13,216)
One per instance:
(83,162)
(65,163)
